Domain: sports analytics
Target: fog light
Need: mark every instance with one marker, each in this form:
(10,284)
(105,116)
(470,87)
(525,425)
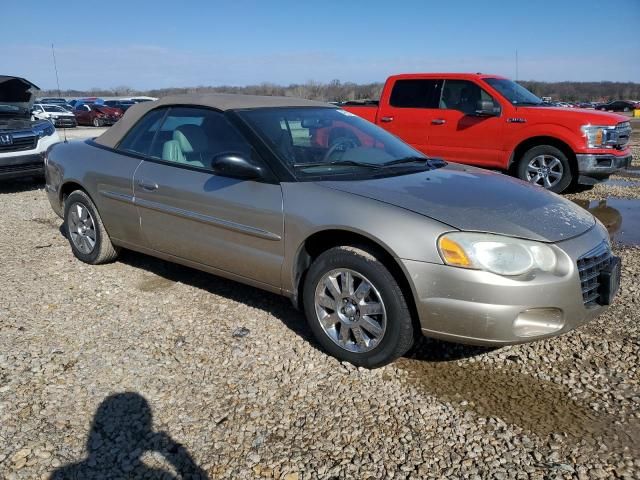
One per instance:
(537,322)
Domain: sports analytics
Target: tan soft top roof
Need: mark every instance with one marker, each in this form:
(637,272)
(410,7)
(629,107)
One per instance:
(220,101)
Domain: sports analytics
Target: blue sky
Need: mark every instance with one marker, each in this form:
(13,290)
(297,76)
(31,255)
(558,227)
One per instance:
(159,44)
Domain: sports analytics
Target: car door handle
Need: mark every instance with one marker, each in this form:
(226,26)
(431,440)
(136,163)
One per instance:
(386,119)
(147,185)
(438,121)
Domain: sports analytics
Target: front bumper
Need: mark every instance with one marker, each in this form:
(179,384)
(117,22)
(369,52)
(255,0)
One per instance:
(481,308)
(65,122)
(26,163)
(595,167)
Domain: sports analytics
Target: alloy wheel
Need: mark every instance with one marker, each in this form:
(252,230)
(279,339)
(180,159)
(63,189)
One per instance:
(81,228)
(350,310)
(545,171)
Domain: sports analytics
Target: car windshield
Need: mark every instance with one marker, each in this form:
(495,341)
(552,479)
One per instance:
(9,108)
(515,93)
(53,108)
(319,141)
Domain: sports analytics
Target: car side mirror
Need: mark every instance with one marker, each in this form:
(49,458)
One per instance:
(487,108)
(235,165)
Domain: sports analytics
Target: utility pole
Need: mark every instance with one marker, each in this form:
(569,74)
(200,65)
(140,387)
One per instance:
(55,67)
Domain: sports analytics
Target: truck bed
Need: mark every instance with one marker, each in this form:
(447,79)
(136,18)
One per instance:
(367,109)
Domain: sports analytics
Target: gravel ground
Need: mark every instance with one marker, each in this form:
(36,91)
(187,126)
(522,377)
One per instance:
(142,368)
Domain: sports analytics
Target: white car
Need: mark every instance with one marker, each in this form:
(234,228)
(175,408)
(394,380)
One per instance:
(55,114)
(23,140)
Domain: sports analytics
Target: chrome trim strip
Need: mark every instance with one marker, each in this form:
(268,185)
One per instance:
(123,197)
(217,222)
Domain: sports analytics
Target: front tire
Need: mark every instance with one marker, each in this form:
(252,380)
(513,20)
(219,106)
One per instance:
(97,122)
(87,236)
(356,309)
(546,166)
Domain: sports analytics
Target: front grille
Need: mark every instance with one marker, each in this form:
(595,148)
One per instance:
(590,265)
(23,167)
(65,122)
(623,134)
(20,144)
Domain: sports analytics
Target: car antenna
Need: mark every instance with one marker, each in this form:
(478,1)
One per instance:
(55,67)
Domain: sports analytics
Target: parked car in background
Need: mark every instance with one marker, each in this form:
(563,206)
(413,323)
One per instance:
(55,114)
(616,106)
(586,104)
(61,102)
(123,105)
(96,115)
(492,122)
(52,100)
(23,140)
(375,241)
(143,99)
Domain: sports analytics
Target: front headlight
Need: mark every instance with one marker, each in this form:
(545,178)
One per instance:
(44,129)
(598,136)
(495,253)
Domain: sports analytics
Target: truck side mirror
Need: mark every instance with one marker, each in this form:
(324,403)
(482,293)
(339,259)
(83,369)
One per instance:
(487,108)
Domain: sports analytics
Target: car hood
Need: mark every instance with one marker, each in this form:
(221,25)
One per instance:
(473,199)
(16,123)
(584,115)
(105,109)
(17,92)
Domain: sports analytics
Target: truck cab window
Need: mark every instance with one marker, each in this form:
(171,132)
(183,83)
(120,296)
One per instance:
(464,96)
(418,93)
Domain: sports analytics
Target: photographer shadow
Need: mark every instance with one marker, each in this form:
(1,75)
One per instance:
(121,432)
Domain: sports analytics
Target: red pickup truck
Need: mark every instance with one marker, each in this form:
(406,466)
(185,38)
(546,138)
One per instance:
(492,122)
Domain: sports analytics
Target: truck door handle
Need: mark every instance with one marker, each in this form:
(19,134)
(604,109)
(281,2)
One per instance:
(147,185)
(386,119)
(438,121)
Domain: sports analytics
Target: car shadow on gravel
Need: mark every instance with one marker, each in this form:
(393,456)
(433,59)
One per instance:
(276,305)
(121,433)
(21,185)
(425,349)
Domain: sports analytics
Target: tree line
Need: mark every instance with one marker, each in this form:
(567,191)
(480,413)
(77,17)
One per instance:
(337,91)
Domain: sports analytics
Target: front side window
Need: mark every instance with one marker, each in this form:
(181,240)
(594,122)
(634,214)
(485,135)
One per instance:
(464,96)
(415,93)
(317,141)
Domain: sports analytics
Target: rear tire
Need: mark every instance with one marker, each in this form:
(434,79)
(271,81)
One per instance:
(87,236)
(547,167)
(359,283)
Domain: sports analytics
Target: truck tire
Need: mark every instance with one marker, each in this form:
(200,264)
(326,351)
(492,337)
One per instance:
(87,236)
(547,167)
(356,309)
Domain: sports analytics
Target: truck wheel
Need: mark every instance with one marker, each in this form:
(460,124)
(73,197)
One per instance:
(356,309)
(87,236)
(547,167)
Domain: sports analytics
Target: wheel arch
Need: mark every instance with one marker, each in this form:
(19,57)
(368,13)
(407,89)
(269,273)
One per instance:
(322,240)
(540,140)
(67,188)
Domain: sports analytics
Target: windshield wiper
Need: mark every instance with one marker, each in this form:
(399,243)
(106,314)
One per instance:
(340,163)
(404,160)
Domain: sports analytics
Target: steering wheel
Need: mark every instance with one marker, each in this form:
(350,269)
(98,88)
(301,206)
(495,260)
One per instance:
(346,143)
